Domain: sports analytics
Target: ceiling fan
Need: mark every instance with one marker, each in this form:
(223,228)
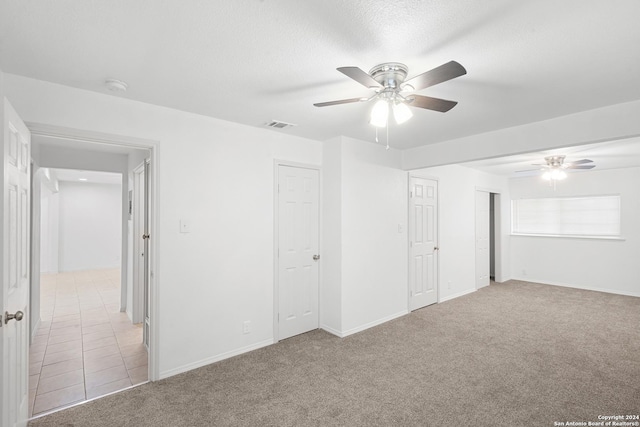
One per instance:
(393,91)
(555,166)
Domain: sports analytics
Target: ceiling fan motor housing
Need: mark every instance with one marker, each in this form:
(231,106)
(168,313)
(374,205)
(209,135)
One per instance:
(555,161)
(390,74)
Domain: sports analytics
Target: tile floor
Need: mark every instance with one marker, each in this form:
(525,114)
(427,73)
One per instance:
(84,347)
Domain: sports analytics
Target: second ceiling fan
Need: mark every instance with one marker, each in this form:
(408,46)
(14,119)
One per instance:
(394,92)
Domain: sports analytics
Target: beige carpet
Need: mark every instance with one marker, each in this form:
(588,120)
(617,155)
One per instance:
(514,354)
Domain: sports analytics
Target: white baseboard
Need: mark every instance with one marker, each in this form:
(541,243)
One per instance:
(372,324)
(210,360)
(331,330)
(572,285)
(459,294)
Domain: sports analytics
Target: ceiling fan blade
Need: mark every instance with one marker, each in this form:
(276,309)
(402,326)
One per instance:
(582,167)
(580,162)
(440,74)
(430,103)
(342,101)
(360,76)
(528,170)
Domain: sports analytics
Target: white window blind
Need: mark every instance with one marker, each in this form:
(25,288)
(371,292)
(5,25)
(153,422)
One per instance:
(595,216)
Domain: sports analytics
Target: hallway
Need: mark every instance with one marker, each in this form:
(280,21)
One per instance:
(84,347)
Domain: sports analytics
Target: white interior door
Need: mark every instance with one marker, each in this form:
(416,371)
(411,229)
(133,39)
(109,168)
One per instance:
(423,242)
(15,270)
(137,309)
(147,253)
(483,261)
(298,256)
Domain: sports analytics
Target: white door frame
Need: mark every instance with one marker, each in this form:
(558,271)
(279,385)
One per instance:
(436,179)
(39,129)
(497,223)
(276,230)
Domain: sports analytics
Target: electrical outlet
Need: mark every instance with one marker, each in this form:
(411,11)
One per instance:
(449,284)
(246,326)
(185,226)
(524,272)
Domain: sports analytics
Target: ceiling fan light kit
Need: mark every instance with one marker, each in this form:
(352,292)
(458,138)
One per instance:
(401,112)
(388,81)
(555,175)
(379,113)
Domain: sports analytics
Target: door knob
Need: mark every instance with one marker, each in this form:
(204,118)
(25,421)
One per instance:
(145,236)
(316,257)
(436,248)
(18,316)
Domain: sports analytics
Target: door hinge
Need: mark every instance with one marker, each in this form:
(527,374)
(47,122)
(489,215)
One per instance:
(410,244)
(411,194)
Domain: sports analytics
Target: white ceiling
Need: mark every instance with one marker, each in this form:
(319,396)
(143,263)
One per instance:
(92,177)
(251,61)
(605,155)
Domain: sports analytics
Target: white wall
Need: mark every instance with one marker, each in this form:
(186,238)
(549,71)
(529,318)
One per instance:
(331,243)
(457,187)
(90,226)
(52,244)
(49,223)
(604,265)
(220,176)
(374,251)
(365,267)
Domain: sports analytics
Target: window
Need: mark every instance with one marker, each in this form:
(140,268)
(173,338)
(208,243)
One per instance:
(588,216)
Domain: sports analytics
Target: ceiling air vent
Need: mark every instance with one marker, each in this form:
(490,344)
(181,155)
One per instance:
(279,125)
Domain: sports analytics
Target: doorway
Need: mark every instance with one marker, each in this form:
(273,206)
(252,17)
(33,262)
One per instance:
(487,237)
(91,316)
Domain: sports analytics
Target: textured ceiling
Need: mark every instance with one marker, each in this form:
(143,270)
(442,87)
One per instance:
(251,61)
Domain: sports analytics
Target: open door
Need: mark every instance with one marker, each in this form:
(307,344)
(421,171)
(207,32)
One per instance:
(146,248)
(14,298)
(141,266)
